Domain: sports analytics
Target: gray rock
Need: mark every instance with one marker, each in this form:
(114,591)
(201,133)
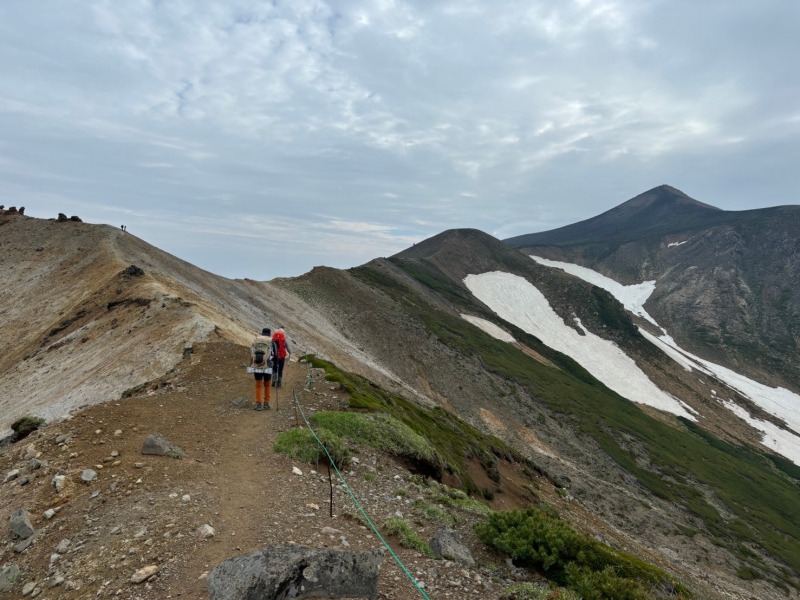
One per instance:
(11,475)
(160,446)
(205,531)
(24,480)
(28,588)
(20,524)
(447,544)
(34,464)
(88,475)
(23,545)
(63,546)
(292,571)
(8,577)
(240,402)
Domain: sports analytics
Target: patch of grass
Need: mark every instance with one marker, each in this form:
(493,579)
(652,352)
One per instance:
(379,431)
(26,425)
(433,512)
(408,538)
(532,591)
(447,443)
(542,541)
(300,444)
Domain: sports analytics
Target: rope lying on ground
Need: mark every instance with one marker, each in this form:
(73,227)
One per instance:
(353,497)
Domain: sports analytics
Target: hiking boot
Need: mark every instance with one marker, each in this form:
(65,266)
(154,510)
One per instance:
(259,407)
(274,383)
(267,406)
(279,383)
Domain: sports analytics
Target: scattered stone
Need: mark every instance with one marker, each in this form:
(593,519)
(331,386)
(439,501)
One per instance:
(63,546)
(24,480)
(186,498)
(57,580)
(20,524)
(292,571)
(88,475)
(447,544)
(330,531)
(138,465)
(144,574)
(8,577)
(20,547)
(160,446)
(34,464)
(205,531)
(28,588)
(240,402)
(118,433)
(49,514)
(59,481)
(11,475)
(62,218)
(296,471)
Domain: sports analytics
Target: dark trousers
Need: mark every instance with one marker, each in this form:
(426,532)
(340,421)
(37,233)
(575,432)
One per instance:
(278,370)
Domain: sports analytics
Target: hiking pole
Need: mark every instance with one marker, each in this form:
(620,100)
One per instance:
(296,416)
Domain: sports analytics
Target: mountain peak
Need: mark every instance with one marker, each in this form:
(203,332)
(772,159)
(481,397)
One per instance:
(663,209)
(662,195)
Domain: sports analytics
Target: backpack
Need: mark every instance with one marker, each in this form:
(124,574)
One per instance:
(261,355)
(279,344)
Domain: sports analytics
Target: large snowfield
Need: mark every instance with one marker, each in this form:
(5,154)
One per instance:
(779,402)
(519,302)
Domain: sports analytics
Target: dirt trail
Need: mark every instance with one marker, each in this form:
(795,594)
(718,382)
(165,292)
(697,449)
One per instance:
(145,510)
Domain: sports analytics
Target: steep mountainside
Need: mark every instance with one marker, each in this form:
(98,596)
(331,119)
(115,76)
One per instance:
(727,283)
(676,489)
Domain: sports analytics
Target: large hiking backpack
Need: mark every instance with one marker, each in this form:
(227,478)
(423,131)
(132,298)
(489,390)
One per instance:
(262,357)
(279,344)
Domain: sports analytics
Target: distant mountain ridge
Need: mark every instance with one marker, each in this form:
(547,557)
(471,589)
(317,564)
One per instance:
(727,282)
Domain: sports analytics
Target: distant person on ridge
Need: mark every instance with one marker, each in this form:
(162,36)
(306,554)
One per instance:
(260,353)
(280,348)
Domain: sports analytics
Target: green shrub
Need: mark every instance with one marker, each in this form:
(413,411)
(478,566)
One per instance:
(407,537)
(543,541)
(26,425)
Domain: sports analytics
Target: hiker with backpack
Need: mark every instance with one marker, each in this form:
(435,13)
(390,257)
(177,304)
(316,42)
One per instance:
(280,349)
(261,360)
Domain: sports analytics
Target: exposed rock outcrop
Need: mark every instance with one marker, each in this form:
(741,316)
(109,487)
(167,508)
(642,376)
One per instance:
(291,571)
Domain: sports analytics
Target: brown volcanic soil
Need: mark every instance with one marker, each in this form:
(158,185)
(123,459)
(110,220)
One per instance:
(134,515)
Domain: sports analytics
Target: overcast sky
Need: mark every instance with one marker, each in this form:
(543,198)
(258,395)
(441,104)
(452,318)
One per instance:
(259,139)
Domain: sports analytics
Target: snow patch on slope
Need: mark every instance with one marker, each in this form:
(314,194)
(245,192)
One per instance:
(632,297)
(490,328)
(519,302)
(779,402)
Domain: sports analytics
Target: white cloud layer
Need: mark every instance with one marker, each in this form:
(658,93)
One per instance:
(402,118)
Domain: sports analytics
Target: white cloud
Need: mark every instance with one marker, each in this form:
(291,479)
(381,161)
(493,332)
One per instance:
(329,106)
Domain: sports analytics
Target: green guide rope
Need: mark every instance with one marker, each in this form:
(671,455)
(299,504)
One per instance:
(354,499)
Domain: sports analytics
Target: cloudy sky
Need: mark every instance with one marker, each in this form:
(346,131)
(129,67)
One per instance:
(258,139)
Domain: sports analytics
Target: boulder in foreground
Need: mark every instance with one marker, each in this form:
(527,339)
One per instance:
(292,571)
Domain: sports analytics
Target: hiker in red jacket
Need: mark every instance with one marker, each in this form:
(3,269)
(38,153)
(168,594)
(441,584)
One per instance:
(280,348)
